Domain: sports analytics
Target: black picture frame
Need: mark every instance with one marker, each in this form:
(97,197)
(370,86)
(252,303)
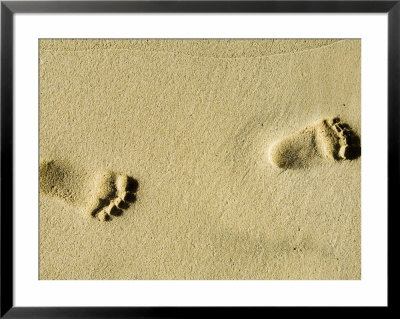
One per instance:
(9,8)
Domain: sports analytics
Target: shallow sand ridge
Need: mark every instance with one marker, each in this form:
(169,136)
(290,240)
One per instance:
(200,159)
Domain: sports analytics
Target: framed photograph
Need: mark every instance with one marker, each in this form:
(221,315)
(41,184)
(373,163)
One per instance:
(175,158)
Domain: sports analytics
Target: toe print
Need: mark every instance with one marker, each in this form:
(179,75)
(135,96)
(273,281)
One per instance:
(337,140)
(119,198)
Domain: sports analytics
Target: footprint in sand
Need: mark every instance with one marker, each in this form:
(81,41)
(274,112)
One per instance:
(327,138)
(106,194)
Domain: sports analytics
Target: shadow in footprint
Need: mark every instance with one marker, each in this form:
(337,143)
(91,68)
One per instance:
(132,185)
(129,199)
(353,149)
(117,211)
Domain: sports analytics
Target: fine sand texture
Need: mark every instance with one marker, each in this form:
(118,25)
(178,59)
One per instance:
(200,159)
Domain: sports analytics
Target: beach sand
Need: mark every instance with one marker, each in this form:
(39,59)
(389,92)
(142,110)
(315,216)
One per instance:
(200,159)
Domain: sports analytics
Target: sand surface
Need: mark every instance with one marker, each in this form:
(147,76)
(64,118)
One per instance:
(237,179)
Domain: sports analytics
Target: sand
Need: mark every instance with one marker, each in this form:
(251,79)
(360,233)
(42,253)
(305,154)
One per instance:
(200,159)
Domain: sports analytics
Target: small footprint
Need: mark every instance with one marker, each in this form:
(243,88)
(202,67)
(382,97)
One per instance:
(327,138)
(108,193)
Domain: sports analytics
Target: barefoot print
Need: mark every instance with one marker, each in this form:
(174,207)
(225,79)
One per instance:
(328,138)
(107,195)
